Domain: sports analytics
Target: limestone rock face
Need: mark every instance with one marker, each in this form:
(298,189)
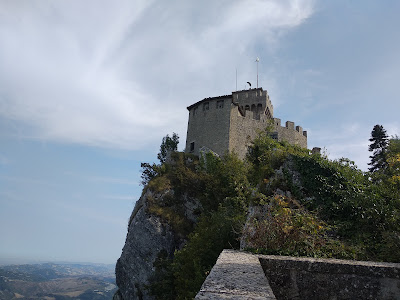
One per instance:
(147,237)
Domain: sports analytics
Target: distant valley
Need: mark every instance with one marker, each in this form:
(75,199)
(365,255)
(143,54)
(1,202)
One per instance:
(53,281)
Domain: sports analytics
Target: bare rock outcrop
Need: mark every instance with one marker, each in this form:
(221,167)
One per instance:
(148,236)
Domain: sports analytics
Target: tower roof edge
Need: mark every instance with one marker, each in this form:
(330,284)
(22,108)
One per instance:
(208,99)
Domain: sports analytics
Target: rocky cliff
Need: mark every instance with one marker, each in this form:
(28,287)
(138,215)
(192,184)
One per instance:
(147,236)
(158,225)
(281,200)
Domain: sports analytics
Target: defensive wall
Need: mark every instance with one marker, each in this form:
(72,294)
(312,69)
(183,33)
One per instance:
(240,275)
(290,133)
(231,122)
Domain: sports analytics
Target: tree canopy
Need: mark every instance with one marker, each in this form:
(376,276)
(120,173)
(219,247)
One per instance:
(309,206)
(379,139)
(168,144)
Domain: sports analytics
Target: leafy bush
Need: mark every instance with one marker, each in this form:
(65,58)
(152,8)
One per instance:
(286,228)
(313,207)
(214,232)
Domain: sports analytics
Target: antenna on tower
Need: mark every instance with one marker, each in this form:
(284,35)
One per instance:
(236,79)
(257,60)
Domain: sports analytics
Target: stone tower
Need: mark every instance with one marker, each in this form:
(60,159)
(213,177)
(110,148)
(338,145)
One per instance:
(229,123)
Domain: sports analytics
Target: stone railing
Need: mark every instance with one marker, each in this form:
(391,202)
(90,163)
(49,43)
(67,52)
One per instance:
(239,275)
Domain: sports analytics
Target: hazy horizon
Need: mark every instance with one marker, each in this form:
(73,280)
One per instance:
(6,261)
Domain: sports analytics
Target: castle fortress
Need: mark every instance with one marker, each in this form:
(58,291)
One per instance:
(229,123)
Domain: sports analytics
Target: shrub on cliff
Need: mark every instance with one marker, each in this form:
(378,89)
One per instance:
(221,186)
(364,213)
(313,207)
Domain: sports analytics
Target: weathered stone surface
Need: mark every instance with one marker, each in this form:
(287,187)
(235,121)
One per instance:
(236,275)
(229,123)
(310,278)
(117,295)
(147,237)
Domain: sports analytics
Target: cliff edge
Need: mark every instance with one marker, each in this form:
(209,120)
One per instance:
(159,224)
(280,200)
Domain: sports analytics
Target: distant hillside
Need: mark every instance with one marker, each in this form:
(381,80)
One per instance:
(57,281)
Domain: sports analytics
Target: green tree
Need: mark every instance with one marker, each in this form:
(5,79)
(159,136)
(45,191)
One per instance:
(379,139)
(168,144)
(393,160)
(150,171)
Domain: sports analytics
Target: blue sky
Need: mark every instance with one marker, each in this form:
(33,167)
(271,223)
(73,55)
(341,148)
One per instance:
(89,88)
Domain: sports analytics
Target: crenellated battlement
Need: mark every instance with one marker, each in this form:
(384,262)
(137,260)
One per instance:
(290,132)
(228,123)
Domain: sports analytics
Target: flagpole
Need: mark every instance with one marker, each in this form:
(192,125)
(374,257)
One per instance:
(236,79)
(257,60)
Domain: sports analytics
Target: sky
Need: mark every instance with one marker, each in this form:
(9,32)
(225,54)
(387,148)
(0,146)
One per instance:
(89,88)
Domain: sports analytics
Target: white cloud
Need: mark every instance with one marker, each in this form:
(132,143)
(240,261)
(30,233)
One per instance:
(114,180)
(392,129)
(120,197)
(349,140)
(109,75)
(28,181)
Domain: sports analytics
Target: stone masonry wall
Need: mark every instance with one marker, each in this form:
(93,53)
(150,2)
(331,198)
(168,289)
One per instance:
(209,127)
(236,275)
(295,136)
(240,275)
(253,97)
(330,279)
(231,122)
(243,130)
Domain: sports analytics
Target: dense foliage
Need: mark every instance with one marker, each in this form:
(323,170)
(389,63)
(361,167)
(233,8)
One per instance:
(280,200)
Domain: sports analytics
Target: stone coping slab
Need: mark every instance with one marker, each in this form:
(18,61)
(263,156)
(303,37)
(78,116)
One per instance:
(236,275)
(332,265)
(241,275)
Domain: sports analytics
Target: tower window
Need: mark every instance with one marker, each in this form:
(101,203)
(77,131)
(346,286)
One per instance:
(191,149)
(206,106)
(220,104)
(194,111)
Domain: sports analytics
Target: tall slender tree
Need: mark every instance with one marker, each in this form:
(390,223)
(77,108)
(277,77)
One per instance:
(378,147)
(168,144)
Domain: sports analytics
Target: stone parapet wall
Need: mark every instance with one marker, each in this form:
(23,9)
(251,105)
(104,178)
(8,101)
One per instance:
(290,133)
(253,97)
(310,278)
(236,275)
